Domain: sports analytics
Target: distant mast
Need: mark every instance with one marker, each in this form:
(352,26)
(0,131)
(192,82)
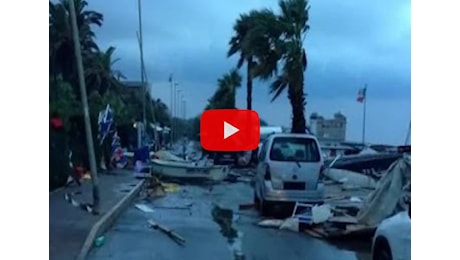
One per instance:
(362,98)
(408,135)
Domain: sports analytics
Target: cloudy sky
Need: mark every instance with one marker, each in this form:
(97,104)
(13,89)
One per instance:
(350,43)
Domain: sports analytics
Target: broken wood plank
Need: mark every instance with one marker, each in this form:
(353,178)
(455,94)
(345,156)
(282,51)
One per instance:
(353,231)
(176,237)
(321,231)
(337,197)
(343,220)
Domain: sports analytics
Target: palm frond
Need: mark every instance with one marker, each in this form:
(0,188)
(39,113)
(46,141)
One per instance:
(278,86)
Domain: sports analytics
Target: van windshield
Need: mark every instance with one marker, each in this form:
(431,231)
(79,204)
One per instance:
(294,149)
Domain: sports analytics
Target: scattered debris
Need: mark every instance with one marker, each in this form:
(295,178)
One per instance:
(320,214)
(350,179)
(383,201)
(173,235)
(170,187)
(99,241)
(351,216)
(85,206)
(232,177)
(144,208)
(355,199)
(291,224)
(276,223)
(154,188)
(246,206)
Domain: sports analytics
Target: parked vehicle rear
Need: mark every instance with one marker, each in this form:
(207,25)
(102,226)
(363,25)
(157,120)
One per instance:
(288,170)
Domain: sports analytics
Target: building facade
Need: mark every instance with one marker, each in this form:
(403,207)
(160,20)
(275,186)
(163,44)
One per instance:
(329,130)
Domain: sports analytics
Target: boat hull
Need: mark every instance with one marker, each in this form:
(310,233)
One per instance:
(188,170)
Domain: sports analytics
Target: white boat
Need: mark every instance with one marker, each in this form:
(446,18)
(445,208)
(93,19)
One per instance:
(188,170)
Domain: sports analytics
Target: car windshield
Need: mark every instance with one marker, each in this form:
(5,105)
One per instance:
(294,149)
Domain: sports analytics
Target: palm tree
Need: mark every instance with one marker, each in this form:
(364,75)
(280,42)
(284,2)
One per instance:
(238,45)
(224,97)
(229,83)
(62,60)
(251,41)
(278,40)
(100,75)
(160,112)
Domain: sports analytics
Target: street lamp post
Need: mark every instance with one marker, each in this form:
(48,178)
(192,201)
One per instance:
(173,108)
(184,108)
(171,82)
(178,114)
(84,101)
(179,97)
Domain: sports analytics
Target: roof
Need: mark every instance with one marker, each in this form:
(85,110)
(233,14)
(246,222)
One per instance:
(292,135)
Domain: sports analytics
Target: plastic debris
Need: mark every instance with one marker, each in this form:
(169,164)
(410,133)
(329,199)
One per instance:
(321,213)
(271,223)
(144,208)
(99,241)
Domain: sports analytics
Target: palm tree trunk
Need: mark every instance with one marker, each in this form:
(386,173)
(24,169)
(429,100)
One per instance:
(297,99)
(249,84)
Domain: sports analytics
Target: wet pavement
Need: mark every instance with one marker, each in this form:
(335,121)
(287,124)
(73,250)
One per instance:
(209,221)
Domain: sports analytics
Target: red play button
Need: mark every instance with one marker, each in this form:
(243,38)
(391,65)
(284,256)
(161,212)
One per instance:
(229,130)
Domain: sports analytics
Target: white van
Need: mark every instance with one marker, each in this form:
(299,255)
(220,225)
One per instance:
(288,170)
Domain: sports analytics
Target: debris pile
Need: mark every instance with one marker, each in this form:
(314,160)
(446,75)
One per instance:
(349,213)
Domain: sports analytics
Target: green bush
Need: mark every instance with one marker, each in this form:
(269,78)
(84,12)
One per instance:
(58,159)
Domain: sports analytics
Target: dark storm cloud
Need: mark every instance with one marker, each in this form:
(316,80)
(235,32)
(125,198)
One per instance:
(350,43)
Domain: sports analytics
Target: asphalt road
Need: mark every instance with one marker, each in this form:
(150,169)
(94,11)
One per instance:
(209,231)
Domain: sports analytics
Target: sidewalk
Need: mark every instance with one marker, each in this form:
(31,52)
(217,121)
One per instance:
(70,225)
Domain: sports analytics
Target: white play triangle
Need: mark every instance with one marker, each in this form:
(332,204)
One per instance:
(229,130)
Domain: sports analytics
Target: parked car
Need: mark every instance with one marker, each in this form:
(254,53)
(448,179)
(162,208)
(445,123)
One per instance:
(392,238)
(288,170)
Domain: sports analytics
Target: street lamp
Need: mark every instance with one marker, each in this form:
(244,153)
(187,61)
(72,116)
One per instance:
(184,108)
(179,97)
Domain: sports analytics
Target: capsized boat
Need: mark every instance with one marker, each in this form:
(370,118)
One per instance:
(189,170)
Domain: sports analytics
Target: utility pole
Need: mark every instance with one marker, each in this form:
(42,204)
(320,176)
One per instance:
(144,87)
(84,101)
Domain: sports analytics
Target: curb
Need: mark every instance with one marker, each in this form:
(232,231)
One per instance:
(56,190)
(103,224)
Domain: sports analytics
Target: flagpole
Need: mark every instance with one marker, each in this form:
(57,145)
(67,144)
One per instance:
(364,114)
(171,81)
